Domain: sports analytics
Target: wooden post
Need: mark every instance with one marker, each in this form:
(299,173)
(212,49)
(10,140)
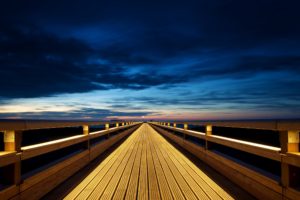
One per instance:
(207,133)
(289,142)
(106,126)
(208,129)
(13,142)
(168,123)
(185,126)
(117,124)
(85,129)
(123,123)
(174,124)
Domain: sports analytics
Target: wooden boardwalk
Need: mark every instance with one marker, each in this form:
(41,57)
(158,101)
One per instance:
(147,166)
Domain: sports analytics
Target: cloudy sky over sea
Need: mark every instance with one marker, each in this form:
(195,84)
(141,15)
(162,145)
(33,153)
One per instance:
(101,59)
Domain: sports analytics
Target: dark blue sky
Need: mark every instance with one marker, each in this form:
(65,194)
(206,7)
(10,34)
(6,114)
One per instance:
(214,59)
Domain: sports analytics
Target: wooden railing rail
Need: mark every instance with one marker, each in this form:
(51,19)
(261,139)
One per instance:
(258,183)
(39,183)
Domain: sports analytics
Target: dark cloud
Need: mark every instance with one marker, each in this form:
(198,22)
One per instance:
(241,67)
(50,47)
(34,63)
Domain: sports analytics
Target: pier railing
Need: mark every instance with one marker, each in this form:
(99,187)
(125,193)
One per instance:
(268,170)
(29,171)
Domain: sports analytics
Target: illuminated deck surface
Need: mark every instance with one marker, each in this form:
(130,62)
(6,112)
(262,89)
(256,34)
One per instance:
(147,166)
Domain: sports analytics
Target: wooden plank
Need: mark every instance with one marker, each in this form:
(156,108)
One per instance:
(102,174)
(161,178)
(175,188)
(266,125)
(43,124)
(103,183)
(250,147)
(208,185)
(132,188)
(245,177)
(292,158)
(291,193)
(52,180)
(201,189)
(111,130)
(29,182)
(106,164)
(183,182)
(254,187)
(152,178)
(96,150)
(196,134)
(263,125)
(268,182)
(248,172)
(9,192)
(46,147)
(124,182)
(120,173)
(7,158)
(143,176)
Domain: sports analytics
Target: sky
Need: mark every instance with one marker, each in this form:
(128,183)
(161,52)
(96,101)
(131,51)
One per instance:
(183,60)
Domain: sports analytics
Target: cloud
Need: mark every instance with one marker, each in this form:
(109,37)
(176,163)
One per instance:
(34,63)
(243,67)
(235,54)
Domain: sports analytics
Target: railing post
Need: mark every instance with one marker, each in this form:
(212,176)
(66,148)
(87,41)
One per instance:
(174,124)
(185,126)
(12,142)
(123,123)
(207,134)
(85,129)
(106,126)
(117,124)
(169,124)
(289,142)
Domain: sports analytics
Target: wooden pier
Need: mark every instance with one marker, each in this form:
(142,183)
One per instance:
(146,166)
(151,163)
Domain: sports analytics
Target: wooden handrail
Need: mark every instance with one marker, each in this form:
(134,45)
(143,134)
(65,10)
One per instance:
(43,124)
(7,158)
(287,155)
(278,125)
(46,147)
(266,151)
(14,154)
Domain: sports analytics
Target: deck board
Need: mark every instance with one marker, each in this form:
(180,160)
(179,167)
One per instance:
(147,166)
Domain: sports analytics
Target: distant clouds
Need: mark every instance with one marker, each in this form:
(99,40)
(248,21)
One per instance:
(235,54)
(35,63)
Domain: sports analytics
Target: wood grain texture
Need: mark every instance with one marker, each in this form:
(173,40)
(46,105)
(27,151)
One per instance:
(146,166)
